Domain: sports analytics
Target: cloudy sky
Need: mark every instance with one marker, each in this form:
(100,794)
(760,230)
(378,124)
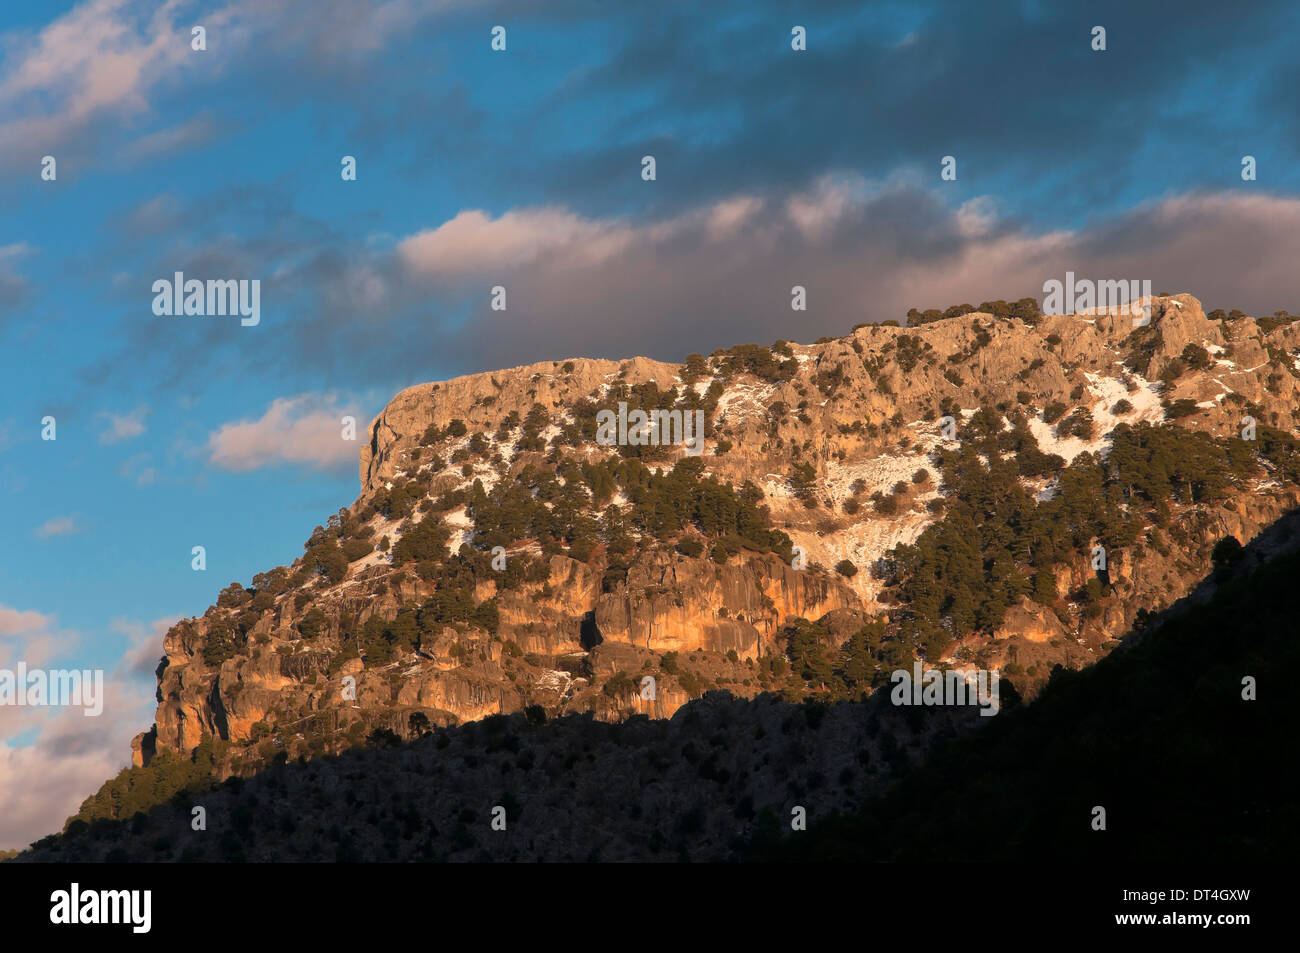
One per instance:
(522,168)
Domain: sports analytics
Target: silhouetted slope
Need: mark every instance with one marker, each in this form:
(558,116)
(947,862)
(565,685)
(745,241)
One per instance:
(697,786)
(1157,733)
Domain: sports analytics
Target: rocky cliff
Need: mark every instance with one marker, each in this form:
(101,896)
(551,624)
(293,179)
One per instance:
(500,556)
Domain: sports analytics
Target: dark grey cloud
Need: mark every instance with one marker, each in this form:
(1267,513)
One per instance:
(342,314)
(13,284)
(884,255)
(1014,91)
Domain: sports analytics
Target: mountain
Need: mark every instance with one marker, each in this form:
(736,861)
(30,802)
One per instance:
(941,492)
(1164,734)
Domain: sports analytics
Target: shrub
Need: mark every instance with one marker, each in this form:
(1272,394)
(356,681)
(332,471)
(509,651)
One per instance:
(1226,552)
(1196,357)
(233,595)
(690,546)
(355,549)
(1078,423)
(222,643)
(313,623)
(426,540)
(327,559)
(619,685)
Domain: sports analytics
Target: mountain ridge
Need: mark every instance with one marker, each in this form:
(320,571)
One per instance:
(630,562)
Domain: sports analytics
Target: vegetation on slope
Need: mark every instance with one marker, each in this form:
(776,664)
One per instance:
(1157,733)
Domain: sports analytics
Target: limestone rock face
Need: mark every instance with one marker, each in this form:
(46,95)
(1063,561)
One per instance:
(837,441)
(1031,622)
(408,414)
(676,604)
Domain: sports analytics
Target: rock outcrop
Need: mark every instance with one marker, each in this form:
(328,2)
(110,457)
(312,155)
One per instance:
(834,444)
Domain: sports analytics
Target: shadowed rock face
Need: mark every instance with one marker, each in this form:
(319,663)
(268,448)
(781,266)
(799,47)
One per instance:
(861,412)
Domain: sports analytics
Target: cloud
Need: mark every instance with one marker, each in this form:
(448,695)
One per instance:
(189,134)
(865,250)
(123,426)
(474,243)
(31,638)
(69,756)
(18,622)
(770,119)
(58,526)
(306,429)
(44,782)
(100,58)
(13,286)
(385,314)
(138,469)
(98,72)
(159,214)
(40,792)
(145,644)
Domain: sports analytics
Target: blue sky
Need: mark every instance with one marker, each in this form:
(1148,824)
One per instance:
(522,168)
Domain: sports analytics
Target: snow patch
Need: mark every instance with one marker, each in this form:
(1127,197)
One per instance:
(879,474)
(554,680)
(1109,391)
(745,400)
(462,529)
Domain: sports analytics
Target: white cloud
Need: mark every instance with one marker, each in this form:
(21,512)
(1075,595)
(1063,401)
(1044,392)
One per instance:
(184,135)
(306,429)
(58,526)
(816,212)
(18,622)
(473,243)
(100,57)
(139,469)
(145,643)
(123,426)
(43,781)
(976,216)
(101,64)
(727,217)
(38,792)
